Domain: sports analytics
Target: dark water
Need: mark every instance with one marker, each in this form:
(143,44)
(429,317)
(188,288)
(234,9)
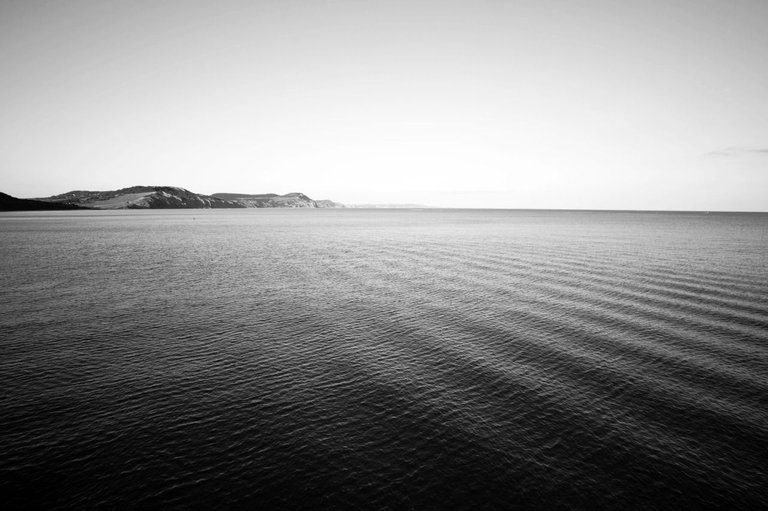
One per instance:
(384,359)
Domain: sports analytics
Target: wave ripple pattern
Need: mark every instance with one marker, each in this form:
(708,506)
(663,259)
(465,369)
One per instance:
(384,359)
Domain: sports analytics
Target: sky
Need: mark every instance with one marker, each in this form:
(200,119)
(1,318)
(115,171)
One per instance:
(572,104)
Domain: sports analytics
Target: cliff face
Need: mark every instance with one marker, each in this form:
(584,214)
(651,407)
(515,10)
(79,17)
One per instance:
(329,204)
(272,200)
(269,200)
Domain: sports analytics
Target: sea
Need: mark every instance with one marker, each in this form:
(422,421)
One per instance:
(383,359)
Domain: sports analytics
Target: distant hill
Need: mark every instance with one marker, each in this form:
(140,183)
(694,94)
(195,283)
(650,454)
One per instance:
(9,203)
(172,197)
(325,203)
(272,200)
(268,200)
(141,197)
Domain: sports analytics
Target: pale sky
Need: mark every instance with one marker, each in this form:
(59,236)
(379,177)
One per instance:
(597,104)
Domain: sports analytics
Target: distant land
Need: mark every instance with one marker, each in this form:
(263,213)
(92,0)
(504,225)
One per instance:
(272,200)
(160,197)
(8,203)
(390,206)
(174,197)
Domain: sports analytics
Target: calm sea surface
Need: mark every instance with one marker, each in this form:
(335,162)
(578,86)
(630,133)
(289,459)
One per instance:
(383,359)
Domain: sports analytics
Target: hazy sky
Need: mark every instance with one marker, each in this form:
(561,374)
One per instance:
(653,104)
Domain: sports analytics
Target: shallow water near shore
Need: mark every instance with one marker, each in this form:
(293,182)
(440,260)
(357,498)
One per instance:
(384,359)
